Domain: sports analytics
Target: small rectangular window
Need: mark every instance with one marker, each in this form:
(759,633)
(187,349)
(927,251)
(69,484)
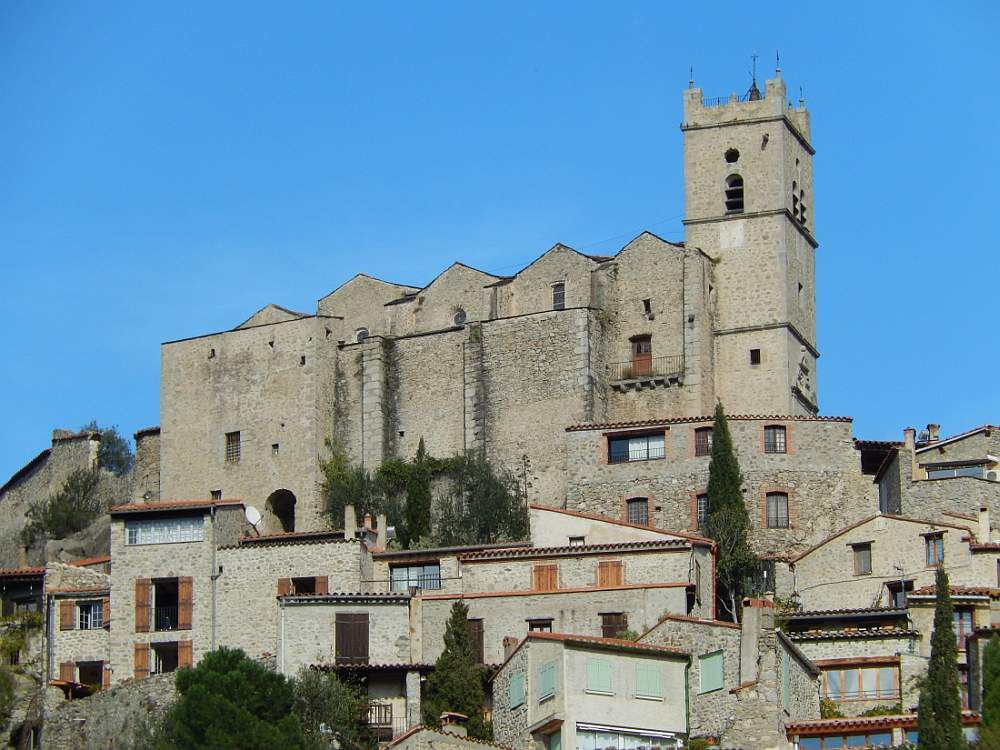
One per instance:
(541,625)
(703,441)
(777,510)
(755,356)
(638,511)
(775,439)
(710,672)
(599,676)
(862,559)
(216,494)
(577,541)
(702,510)
(613,624)
(232,447)
(559,296)
(934,544)
(275,448)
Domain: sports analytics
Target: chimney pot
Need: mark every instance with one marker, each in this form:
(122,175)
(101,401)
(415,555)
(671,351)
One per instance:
(933,433)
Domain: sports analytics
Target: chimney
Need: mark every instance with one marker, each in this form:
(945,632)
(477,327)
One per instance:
(381,537)
(758,616)
(909,446)
(933,433)
(366,522)
(350,521)
(509,644)
(454,723)
(983,535)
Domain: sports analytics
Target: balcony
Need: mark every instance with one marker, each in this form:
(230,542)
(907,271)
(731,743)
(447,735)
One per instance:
(382,724)
(648,372)
(165,618)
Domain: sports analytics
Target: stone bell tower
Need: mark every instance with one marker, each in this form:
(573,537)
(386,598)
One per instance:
(749,205)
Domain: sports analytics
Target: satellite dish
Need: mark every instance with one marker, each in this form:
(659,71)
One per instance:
(253,516)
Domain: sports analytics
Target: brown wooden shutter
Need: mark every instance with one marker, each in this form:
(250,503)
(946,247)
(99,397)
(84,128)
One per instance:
(67,671)
(185,657)
(284,586)
(609,573)
(142,605)
(106,613)
(351,638)
(546,577)
(322,584)
(141,660)
(67,614)
(476,634)
(105,675)
(185,588)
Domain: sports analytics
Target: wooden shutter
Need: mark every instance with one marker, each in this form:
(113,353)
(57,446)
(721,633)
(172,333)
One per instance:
(284,586)
(476,634)
(609,573)
(105,675)
(67,614)
(185,656)
(141,658)
(546,577)
(106,613)
(185,590)
(322,585)
(142,607)
(351,638)
(67,671)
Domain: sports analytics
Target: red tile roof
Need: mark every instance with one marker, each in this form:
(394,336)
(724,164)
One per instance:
(293,536)
(90,561)
(839,612)
(157,506)
(993,593)
(619,522)
(616,644)
(688,420)
(575,590)
(583,549)
(864,633)
(21,572)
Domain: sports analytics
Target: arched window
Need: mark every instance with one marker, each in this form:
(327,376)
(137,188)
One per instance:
(361,334)
(638,510)
(280,506)
(734,194)
(460,317)
(777,510)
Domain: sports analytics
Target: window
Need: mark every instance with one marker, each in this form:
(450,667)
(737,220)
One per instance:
(559,296)
(598,676)
(216,494)
(594,738)
(802,207)
(647,308)
(459,317)
(577,541)
(165,530)
(647,682)
(637,510)
(515,691)
(232,447)
(774,439)
(361,334)
(404,577)
(755,356)
(710,672)
(830,741)
(304,586)
(702,509)
(641,448)
(795,199)
(934,544)
(962,624)
(166,657)
(955,471)
(545,577)
(861,683)
(609,573)
(275,449)
(91,673)
(351,638)
(898,591)
(703,441)
(613,624)
(542,625)
(90,615)
(546,681)
(734,194)
(862,559)
(732,156)
(777,510)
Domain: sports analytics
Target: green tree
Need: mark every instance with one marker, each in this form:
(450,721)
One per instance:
(456,684)
(71,509)
(230,702)
(333,711)
(115,453)
(481,506)
(989,733)
(418,498)
(728,521)
(344,484)
(939,710)
(6,696)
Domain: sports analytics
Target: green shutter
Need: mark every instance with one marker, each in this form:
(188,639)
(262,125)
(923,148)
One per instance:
(598,676)
(515,691)
(547,680)
(647,681)
(710,670)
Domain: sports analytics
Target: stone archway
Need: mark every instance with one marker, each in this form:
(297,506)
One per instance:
(280,509)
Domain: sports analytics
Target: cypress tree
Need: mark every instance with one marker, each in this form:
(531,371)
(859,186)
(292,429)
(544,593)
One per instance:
(456,684)
(418,497)
(728,521)
(939,711)
(989,735)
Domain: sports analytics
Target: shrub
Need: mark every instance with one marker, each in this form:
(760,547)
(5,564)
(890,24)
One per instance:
(115,453)
(71,509)
(332,711)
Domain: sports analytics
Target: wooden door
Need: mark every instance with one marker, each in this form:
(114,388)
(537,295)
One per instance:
(642,356)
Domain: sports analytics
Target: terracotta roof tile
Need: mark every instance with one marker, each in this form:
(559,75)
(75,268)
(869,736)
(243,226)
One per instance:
(290,537)
(865,633)
(81,590)
(617,644)
(157,506)
(619,522)
(993,593)
(21,572)
(847,612)
(686,420)
(869,722)
(583,549)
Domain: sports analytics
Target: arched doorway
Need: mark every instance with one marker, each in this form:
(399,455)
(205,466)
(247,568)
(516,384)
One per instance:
(280,509)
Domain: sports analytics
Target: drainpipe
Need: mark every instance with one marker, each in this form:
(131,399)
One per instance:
(214,574)
(281,648)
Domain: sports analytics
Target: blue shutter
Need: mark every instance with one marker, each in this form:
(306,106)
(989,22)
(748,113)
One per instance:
(710,669)
(515,691)
(647,681)
(598,676)
(547,680)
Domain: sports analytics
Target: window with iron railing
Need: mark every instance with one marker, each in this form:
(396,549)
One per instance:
(642,448)
(232,447)
(405,577)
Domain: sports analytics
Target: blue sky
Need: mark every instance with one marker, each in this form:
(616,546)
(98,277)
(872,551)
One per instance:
(169,169)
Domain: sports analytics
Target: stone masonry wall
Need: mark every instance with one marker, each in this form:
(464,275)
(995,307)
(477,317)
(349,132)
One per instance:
(510,724)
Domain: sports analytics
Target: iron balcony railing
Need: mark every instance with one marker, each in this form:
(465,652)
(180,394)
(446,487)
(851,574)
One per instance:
(635,453)
(423,581)
(165,618)
(383,724)
(647,368)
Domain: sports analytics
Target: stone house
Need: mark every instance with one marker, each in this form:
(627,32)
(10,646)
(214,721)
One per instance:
(558,690)
(78,614)
(451,736)
(872,731)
